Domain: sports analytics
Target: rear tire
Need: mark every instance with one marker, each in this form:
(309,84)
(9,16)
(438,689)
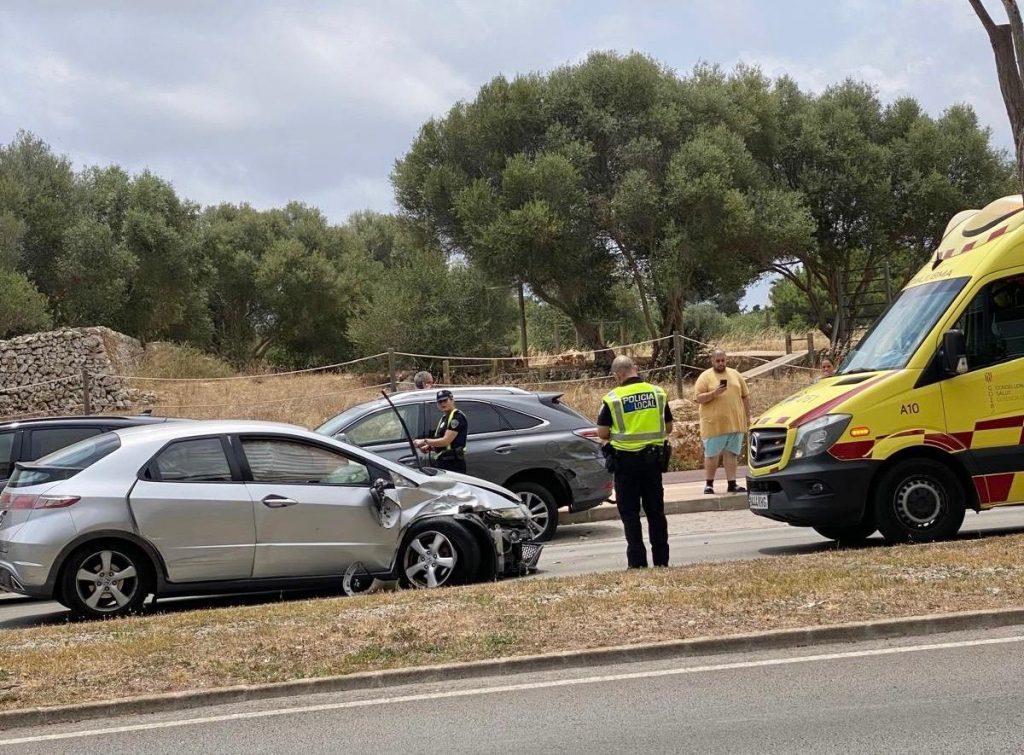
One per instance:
(854,534)
(438,553)
(919,501)
(542,506)
(105,579)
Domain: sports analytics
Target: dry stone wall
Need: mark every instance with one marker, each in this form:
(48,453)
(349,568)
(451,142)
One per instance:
(41,373)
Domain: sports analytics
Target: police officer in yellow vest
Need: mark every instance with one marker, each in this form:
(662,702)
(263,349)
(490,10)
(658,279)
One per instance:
(635,421)
(449,441)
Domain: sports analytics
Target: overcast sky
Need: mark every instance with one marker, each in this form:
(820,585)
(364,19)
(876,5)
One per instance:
(266,102)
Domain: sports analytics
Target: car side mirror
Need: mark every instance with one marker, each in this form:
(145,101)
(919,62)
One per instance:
(954,352)
(343,438)
(385,507)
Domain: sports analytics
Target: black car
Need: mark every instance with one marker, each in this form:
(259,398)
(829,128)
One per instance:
(30,439)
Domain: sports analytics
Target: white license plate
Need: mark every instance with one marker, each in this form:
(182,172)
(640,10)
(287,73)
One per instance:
(757,500)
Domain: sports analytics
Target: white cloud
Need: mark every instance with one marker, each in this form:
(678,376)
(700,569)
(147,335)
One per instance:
(315,100)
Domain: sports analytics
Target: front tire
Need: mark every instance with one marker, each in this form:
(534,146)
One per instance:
(105,579)
(543,509)
(438,554)
(919,501)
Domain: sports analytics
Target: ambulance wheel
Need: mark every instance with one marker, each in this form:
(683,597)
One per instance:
(919,501)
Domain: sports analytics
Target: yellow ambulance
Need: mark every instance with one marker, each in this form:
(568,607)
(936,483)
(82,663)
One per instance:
(924,419)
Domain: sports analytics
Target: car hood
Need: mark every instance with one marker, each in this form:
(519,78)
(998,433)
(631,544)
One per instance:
(445,496)
(476,482)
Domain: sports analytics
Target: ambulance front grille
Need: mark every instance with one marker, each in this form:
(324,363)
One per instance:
(765,447)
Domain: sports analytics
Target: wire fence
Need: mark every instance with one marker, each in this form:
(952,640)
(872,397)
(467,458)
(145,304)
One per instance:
(83,391)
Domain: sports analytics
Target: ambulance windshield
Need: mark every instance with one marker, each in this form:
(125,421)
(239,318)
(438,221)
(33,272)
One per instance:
(894,338)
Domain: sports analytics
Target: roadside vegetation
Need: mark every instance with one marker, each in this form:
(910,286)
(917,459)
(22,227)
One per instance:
(277,641)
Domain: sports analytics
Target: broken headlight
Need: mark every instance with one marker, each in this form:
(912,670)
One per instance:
(511,514)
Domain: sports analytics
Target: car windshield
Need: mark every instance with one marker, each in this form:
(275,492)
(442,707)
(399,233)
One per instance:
(894,338)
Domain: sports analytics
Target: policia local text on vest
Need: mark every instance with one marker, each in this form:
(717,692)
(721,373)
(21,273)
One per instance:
(635,421)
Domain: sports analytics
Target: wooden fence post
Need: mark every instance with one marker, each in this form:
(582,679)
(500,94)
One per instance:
(446,372)
(810,347)
(678,343)
(391,370)
(86,393)
(789,342)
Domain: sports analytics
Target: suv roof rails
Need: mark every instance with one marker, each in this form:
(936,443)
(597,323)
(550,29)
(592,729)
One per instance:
(457,389)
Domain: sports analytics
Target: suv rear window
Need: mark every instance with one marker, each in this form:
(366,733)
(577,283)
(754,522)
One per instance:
(65,463)
(518,420)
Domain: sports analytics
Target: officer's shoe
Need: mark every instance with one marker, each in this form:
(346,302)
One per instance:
(734,488)
(708,490)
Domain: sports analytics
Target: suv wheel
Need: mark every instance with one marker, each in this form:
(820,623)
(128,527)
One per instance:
(105,579)
(543,509)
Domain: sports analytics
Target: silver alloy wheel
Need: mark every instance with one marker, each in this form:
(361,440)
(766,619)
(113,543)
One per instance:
(539,514)
(107,581)
(920,503)
(430,559)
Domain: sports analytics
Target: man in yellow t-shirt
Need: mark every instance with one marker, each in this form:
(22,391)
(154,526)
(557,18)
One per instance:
(724,418)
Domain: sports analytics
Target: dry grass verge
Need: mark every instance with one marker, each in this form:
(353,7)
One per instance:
(311,638)
(310,399)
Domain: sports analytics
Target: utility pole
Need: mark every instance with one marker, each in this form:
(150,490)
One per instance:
(522,325)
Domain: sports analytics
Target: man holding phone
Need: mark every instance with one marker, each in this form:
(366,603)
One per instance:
(724,418)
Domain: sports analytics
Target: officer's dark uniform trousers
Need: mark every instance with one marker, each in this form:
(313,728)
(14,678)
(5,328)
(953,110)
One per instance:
(638,483)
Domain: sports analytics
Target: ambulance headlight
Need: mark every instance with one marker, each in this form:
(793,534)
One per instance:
(819,434)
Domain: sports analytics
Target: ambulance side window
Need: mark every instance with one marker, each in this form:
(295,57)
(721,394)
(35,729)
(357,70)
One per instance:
(993,323)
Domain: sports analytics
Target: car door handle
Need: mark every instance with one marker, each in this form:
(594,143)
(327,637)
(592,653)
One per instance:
(407,460)
(506,449)
(278,502)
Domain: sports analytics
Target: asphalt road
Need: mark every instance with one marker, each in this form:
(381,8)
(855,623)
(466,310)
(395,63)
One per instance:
(950,693)
(594,547)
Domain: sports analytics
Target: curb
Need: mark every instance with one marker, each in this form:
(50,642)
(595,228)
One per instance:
(602,513)
(771,640)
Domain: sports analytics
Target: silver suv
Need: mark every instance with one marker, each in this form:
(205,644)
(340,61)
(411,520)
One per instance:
(530,443)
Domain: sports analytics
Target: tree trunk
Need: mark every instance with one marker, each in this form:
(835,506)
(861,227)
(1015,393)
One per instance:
(589,336)
(641,289)
(1001,37)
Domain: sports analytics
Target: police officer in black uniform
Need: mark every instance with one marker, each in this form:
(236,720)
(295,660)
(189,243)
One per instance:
(449,441)
(635,422)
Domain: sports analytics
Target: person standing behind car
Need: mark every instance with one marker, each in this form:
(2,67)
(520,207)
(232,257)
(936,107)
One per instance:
(423,380)
(635,420)
(724,418)
(449,441)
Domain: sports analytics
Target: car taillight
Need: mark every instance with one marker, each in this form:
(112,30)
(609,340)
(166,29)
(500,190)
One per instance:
(590,433)
(9,500)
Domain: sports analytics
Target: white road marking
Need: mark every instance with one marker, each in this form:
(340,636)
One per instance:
(510,688)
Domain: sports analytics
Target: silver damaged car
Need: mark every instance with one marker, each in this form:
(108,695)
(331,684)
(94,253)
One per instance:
(225,506)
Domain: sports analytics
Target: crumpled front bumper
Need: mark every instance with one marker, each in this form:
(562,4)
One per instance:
(515,556)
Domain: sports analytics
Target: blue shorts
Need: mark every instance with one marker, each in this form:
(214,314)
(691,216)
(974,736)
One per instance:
(732,442)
